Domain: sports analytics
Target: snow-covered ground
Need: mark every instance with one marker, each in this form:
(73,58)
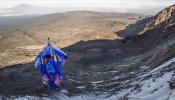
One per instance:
(151,86)
(156,87)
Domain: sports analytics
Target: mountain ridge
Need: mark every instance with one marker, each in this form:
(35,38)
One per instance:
(164,18)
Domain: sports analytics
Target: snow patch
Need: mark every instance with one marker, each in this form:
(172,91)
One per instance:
(96,82)
(154,90)
(81,87)
(163,65)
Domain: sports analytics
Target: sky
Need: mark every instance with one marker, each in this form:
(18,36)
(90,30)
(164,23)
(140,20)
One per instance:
(88,3)
(125,6)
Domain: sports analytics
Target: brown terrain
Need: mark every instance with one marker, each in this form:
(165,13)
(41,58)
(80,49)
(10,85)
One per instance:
(27,37)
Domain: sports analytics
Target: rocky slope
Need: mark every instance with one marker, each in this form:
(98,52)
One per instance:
(163,19)
(157,37)
(151,85)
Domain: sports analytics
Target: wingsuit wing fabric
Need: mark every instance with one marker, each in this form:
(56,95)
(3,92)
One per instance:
(37,61)
(60,56)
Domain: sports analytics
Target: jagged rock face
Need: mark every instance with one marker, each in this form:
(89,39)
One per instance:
(163,19)
(167,16)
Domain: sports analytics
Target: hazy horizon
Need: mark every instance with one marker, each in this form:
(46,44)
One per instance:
(89,3)
(123,6)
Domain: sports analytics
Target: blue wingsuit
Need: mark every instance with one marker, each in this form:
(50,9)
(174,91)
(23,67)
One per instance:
(50,61)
